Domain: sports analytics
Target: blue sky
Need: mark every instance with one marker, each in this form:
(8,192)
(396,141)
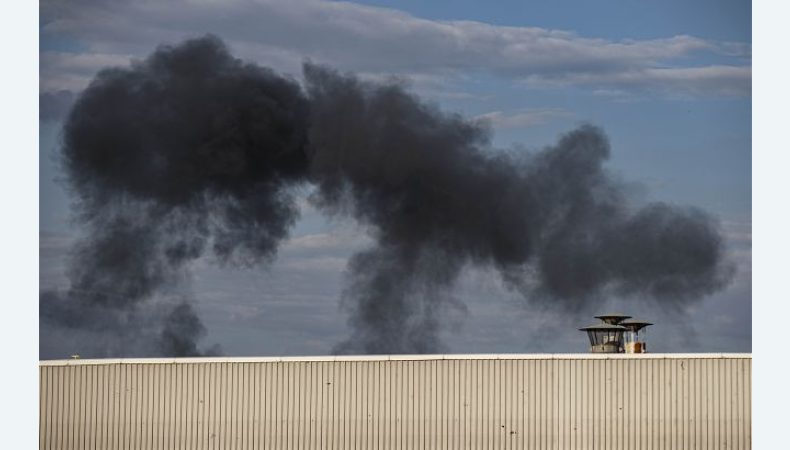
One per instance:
(669,82)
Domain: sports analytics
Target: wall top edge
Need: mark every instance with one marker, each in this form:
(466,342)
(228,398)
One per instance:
(349,358)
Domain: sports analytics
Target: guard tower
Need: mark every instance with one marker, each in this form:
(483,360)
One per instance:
(617,334)
(605,338)
(634,336)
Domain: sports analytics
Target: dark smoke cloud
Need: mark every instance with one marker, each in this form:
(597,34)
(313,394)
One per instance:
(555,223)
(188,151)
(182,330)
(192,151)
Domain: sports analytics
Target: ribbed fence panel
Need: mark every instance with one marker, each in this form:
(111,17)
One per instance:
(405,402)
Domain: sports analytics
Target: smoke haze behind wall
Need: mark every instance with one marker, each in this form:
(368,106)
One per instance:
(193,152)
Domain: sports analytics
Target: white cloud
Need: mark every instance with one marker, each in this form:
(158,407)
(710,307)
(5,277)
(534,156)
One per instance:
(54,243)
(678,81)
(73,71)
(335,240)
(522,119)
(738,233)
(385,41)
(318,241)
(331,264)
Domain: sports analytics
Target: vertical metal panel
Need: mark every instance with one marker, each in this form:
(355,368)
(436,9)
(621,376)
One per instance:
(444,402)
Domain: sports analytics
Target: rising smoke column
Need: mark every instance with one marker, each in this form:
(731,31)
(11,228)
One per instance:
(187,152)
(192,152)
(555,223)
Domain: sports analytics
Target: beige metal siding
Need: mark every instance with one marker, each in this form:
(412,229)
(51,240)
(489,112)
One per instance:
(440,402)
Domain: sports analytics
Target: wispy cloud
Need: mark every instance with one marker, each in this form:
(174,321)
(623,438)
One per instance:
(53,244)
(334,240)
(523,119)
(385,41)
(54,105)
(73,71)
(674,81)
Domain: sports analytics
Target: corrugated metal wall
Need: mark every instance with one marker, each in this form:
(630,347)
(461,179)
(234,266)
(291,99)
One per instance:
(449,402)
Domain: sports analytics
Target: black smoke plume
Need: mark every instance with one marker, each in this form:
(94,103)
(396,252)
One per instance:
(193,151)
(188,151)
